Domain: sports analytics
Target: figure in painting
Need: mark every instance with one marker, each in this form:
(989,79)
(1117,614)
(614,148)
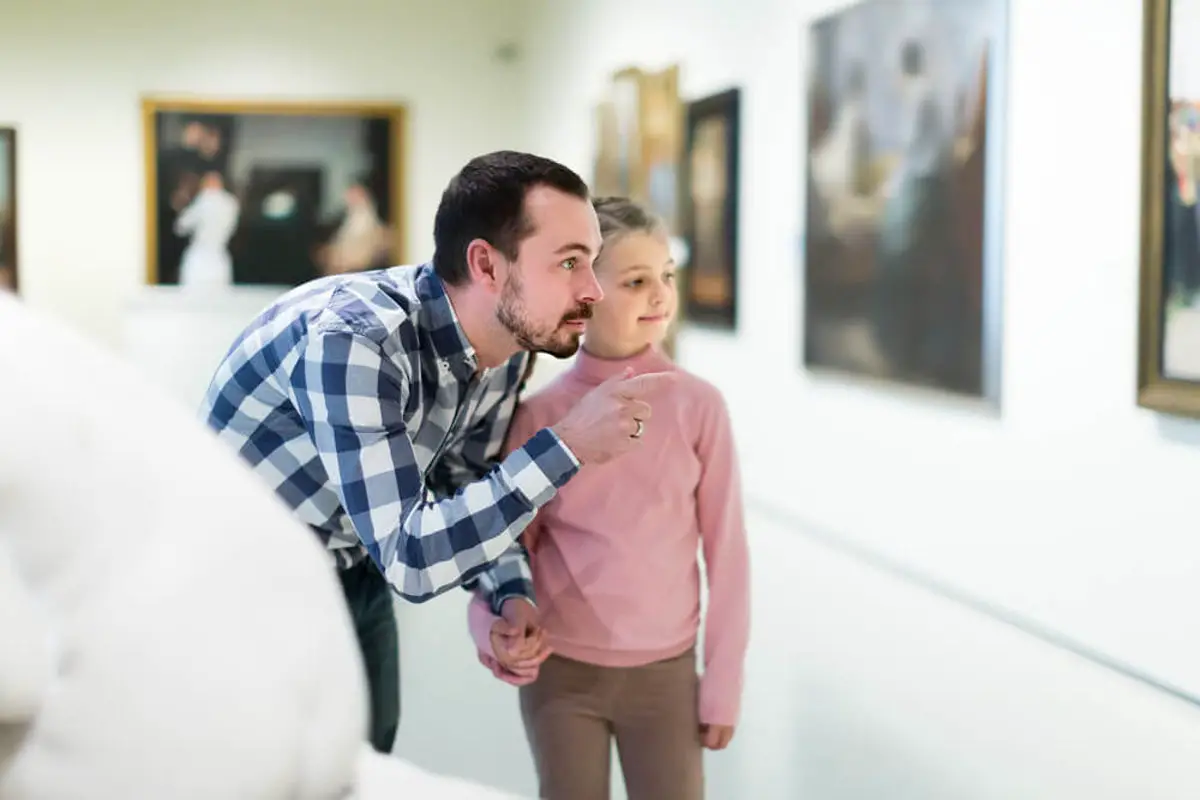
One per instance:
(210,219)
(913,243)
(708,259)
(839,163)
(362,241)
(1182,264)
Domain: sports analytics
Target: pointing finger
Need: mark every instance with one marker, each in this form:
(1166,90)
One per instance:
(623,375)
(632,388)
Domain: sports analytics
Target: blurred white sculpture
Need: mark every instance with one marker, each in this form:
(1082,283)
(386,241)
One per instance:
(167,629)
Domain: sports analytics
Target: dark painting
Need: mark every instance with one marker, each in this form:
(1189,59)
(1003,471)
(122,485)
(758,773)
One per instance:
(710,209)
(901,244)
(8,209)
(271,195)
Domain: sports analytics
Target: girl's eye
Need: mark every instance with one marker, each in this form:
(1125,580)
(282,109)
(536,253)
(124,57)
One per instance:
(635,283)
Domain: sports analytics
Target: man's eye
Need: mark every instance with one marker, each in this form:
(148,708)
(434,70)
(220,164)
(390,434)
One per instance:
(569,264)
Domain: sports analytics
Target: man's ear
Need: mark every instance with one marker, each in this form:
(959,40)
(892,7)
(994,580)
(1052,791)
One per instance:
(483,265)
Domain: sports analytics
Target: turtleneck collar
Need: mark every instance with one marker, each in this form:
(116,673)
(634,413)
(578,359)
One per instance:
(594,370)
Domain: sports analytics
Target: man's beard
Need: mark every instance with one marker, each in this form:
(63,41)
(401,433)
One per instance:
(512,315)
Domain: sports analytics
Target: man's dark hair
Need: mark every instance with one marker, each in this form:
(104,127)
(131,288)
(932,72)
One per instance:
(486,200)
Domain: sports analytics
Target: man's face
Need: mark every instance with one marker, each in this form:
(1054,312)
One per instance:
(549,290)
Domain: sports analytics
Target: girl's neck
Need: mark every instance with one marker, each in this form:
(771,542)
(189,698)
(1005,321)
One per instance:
(611,351)
(596,367)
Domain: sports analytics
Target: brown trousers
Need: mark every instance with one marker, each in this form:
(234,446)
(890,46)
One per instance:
(574,710)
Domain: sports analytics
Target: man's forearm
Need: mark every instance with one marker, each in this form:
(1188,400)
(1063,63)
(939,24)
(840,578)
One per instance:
(439,545)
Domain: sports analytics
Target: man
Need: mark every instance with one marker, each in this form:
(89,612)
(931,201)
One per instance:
(375,403)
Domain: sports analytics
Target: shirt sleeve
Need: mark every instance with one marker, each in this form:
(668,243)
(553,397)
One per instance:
(509,575)
(727,563)
(351,398)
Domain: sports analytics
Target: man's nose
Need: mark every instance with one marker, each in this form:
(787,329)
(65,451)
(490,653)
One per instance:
(589,290)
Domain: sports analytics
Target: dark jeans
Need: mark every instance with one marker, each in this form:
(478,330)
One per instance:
(370,601)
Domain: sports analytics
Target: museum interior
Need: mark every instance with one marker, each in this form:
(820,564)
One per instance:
(881,212)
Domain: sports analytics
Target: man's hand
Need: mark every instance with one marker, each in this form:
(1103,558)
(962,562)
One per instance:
(518,641)
(609,419)
(716,737)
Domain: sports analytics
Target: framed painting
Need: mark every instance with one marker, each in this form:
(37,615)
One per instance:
(262,193)
(640,134)
(8,210)
(709,209)
(1169,351)
(640,130)
(903,194)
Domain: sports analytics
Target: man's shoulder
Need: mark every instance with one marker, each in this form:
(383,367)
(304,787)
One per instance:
(380,305)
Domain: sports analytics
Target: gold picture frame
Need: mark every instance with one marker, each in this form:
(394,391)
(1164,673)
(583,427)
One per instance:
(292,167)
(1165,165)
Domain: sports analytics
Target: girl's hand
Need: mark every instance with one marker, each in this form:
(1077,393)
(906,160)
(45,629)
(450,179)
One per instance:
(503,674)
(716,737)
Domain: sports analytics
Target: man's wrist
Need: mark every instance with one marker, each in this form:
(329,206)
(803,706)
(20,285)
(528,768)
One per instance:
(566,440)
(500,598)
(528,600)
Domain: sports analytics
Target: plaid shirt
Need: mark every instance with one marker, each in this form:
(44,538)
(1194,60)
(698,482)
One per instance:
(358,399)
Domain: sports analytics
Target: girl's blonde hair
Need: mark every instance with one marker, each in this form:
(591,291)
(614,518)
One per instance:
(620,216)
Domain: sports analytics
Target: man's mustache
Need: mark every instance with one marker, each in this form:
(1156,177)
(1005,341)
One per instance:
(584,311)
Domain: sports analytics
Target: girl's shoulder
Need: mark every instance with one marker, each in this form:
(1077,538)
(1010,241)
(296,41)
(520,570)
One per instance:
(698,390)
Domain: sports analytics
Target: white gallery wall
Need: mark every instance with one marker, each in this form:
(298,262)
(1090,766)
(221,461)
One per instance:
(75,72)
(1071,506)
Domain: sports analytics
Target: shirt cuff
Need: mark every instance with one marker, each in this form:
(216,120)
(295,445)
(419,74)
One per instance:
(720,700)
(566,449)
(540,467)
(518,587)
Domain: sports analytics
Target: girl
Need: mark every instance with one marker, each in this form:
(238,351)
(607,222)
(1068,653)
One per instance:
(614,559)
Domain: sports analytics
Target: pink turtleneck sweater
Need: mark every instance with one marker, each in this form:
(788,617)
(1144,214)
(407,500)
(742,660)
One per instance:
(614,554)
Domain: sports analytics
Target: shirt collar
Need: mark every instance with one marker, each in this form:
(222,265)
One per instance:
(450,344)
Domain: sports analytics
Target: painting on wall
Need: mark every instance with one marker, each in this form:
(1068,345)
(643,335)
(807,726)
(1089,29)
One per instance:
(242,193)
(709,208)
(640,130)
(640,126)
(8,209)
(903,181)
(1169,360)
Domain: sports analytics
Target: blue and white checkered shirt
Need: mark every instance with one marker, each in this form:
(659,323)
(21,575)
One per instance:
(359,400)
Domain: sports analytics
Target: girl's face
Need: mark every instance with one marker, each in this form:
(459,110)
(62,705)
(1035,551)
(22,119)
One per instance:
(637,274)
